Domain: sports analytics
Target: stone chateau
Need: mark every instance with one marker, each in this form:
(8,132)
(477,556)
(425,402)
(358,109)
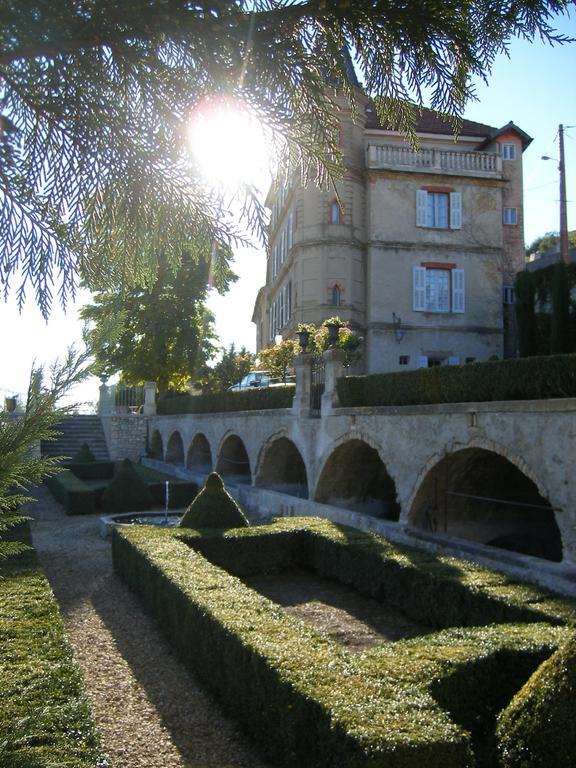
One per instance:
(418,250)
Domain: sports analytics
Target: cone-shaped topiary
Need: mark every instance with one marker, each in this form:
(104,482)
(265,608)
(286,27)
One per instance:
(213,508)
(127,492)
(84,455)
(538,728)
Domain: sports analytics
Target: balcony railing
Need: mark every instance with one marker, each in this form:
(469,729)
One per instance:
(391,156)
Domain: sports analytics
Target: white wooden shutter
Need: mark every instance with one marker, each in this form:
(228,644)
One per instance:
(419,289)
(422,361)
(421,207)
(458,303)
(455,210)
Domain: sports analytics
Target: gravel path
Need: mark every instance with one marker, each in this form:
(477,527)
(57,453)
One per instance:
(148,709)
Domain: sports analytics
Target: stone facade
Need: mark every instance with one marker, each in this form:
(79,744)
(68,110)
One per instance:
(414,248)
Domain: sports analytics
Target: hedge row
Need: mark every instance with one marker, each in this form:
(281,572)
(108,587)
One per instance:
(92,470)
(257,399)
(304,698)
(533,378)
(436,590)
(79,498)
(73,493)
(44,715)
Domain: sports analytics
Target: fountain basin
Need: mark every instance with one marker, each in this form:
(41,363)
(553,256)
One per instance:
(160,519)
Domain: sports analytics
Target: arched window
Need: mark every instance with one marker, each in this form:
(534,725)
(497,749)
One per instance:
(335,212)
(335,295)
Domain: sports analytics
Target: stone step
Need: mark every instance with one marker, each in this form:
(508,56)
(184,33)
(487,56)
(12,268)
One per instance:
(74,432)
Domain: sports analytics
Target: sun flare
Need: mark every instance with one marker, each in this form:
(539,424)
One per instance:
(229,145)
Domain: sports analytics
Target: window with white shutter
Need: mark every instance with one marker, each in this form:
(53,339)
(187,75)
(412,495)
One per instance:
(458,290)
(419,289)
(438,210)
(421,207)
(455,210)
(422,361)
(438,290)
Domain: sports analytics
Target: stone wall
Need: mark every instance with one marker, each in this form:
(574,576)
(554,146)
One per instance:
(126,435)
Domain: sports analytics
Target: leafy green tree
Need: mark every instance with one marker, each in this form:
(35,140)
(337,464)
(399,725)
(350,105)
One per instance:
(20,466)
(95,174)
(279,359)
(229,370)
(549,242)
(159,332)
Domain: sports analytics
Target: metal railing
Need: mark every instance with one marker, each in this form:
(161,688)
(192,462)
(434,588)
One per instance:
(116,398)
(392,156)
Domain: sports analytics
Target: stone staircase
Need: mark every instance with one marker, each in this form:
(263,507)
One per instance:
(76,430)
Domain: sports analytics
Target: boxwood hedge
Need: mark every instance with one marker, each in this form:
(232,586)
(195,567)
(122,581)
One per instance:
(532,378)
(257,399)
(307,700)
(44,715)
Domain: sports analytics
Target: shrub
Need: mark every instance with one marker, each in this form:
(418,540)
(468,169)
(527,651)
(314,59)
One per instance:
(73,493)
(532,378)
(94,470)
(84,455)
(309,701)
(44,714)
(213,508)
(127,492)
(538,728)
(257,399)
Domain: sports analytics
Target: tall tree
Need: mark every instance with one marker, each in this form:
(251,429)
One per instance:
(96,96)
(160,331)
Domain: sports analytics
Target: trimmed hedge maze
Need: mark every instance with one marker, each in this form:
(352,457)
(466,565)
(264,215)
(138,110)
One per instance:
(44,715)
(430,701)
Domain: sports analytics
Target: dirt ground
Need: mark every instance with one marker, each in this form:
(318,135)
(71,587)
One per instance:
(354,621)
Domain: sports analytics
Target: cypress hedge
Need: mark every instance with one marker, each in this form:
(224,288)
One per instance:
(533,378)
(427,701)
(257,399)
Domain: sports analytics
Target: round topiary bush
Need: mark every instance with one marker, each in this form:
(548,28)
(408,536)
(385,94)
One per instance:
(127,492)
(84,455)
(213,508)
(538,728)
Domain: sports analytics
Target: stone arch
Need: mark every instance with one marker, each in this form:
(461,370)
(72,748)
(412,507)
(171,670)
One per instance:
(175,449)
(156,448)
(199,455)
(281,467)
(481,492)
(354,476)
(233,462)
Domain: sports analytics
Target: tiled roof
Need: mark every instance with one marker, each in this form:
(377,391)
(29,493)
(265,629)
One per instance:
(428,121)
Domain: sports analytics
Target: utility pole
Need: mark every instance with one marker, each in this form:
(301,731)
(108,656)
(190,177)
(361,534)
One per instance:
(563,213)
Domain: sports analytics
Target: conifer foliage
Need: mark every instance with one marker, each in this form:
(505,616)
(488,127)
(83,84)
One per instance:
(96,97)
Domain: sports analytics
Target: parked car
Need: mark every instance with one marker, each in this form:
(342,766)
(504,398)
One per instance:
(252,379)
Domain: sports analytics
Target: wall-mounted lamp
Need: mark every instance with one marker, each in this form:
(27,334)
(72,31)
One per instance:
(397,324)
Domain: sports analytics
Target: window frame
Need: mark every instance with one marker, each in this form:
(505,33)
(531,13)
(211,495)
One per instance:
(456,290)
(453,212)
(508,151)
(511,210)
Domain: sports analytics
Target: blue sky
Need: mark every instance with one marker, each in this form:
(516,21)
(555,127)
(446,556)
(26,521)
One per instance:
(534,88)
